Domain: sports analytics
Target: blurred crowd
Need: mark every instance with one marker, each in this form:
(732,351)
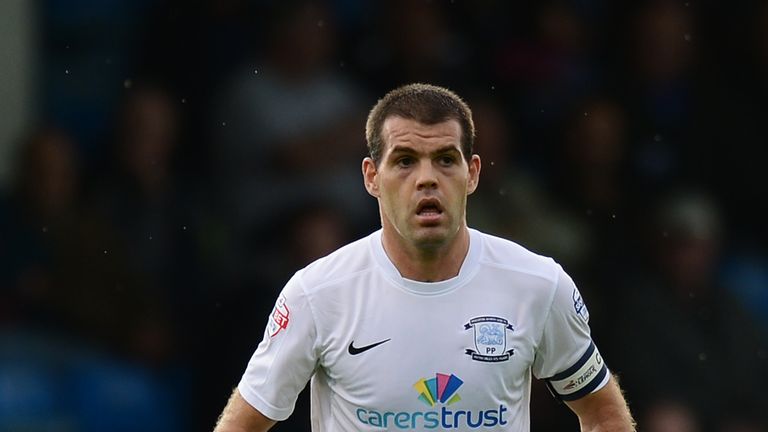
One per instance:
(186,158)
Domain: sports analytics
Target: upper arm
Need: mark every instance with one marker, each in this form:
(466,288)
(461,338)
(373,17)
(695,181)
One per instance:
(568,360)
(285,359)
(603,410)
(566,356)
(240,416)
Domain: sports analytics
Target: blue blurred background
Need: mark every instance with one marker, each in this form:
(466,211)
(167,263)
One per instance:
(165,166)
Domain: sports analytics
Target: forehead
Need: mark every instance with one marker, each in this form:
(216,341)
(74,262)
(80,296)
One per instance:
(411,133)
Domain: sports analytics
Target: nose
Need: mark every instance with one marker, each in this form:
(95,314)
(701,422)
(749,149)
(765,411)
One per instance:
(426,176)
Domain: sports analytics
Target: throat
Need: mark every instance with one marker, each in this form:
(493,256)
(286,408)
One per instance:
(427,264)
(430,271)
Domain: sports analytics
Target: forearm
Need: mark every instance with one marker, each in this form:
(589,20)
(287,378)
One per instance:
(604,411)
(239,416)
(612,418)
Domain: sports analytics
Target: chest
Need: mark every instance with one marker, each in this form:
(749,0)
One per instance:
(395,350)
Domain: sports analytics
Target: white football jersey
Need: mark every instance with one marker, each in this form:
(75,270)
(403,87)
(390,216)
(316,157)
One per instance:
(388,353)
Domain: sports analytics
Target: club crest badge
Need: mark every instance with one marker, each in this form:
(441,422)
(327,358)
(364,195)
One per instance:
(490,334)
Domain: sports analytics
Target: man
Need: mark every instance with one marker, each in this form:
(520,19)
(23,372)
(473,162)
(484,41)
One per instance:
(425,324)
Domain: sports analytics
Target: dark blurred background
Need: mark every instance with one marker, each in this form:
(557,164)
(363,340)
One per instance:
(165,166)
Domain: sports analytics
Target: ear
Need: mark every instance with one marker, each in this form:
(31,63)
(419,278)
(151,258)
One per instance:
(474,173)
(370,177)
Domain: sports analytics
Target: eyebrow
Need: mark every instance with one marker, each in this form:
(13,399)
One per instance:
(408,150)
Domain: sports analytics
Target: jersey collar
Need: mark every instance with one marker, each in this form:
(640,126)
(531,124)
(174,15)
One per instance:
(467,270)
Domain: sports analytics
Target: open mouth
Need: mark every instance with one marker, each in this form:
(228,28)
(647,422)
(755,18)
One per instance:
(429,207)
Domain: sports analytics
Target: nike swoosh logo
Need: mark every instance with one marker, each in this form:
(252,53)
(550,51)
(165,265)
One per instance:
(357,350)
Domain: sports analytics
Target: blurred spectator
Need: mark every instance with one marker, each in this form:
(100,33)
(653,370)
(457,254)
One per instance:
(54,256)
(595,157)
(669,416)
(291,129)
(510,201)
(38,217)
(81,73)
(546,71)
(661,90)
(316,231)
(734,125)
(662,32)
(413,42)
(552,67)
(737,417)
(147,219)
(595,195)
(66,320)
(685,328)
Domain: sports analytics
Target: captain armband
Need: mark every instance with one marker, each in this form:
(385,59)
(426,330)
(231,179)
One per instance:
(586,376)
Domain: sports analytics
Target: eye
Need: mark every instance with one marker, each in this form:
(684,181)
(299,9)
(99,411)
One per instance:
(405,162)
(446,160)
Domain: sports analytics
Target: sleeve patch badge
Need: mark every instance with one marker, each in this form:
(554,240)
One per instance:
(579,306)
(279,318)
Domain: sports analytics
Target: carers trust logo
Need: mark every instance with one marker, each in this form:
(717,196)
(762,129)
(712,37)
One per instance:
(442,388)
(437,394)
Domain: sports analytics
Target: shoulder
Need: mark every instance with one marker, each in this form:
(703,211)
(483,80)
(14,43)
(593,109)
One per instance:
(345,263)
(508,255)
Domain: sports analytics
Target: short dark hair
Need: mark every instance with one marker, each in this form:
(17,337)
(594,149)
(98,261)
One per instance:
(424,103)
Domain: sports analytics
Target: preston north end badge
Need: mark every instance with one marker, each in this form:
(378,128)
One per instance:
(490,339)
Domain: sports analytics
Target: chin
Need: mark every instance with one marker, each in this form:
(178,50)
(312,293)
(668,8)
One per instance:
(431,237)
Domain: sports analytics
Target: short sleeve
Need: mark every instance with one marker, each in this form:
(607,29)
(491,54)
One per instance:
(566,357)
(285,359)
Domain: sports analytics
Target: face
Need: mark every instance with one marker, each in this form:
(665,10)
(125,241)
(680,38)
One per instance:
(422,181)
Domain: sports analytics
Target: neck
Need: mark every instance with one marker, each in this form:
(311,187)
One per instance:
(432,263)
